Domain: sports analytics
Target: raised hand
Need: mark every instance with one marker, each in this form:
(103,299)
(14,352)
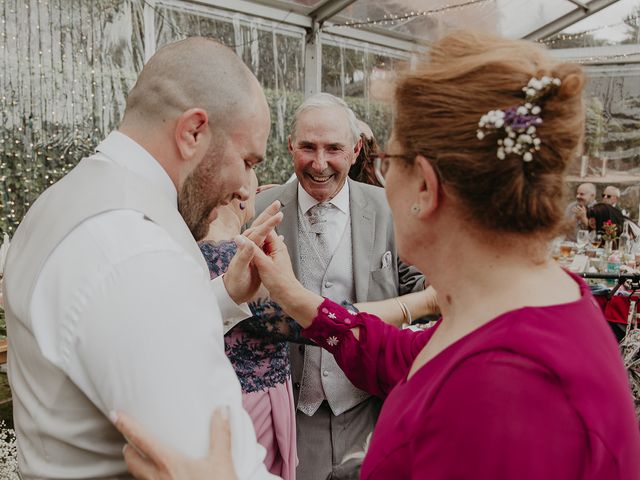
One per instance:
(241,279)
(264,224)
(274,266)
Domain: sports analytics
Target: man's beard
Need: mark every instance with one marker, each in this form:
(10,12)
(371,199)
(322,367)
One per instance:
(199,195)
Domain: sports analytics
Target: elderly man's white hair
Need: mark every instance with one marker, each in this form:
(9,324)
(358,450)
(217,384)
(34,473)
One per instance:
(325,100)
(613,190)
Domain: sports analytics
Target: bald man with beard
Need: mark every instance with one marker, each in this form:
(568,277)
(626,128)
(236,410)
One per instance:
(108,300)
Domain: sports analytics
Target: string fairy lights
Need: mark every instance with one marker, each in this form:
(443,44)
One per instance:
(51,115)
(560,37)
(391,19)
(615,58)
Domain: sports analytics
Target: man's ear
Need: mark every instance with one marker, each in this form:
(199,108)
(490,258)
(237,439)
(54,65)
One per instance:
(356,150)
(192,132)
(429,193)
(290,145)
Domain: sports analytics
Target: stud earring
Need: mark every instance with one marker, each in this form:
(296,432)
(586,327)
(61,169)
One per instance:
(415,209)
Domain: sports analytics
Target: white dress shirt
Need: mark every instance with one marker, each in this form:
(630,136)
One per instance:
(136,324)
(336,217)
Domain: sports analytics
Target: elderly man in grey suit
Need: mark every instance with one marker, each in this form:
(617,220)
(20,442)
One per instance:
(340,237)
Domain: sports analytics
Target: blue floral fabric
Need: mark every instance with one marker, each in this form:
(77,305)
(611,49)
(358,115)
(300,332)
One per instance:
(257,347)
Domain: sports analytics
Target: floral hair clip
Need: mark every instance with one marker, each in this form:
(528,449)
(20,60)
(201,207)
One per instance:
(519,123)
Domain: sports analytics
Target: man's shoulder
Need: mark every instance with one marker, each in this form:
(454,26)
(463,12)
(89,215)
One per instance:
(266,198)
(272,193)
(122,234)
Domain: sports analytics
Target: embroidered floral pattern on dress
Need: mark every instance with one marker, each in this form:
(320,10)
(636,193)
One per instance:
(256,347)
(332,341)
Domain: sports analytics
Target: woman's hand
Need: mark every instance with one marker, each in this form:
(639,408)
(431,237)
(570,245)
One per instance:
(274,266)
(149,459)
(241,279)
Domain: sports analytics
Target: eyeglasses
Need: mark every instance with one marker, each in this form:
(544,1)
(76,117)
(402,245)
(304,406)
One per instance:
(381,164)
(604,195)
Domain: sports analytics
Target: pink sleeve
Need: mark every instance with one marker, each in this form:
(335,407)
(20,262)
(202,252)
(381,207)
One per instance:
(500,416)
(375,362)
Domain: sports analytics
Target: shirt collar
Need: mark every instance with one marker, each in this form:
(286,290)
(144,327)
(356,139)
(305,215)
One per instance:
(340,201)
(125,152)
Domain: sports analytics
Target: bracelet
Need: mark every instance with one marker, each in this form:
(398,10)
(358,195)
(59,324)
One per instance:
(406,313)
(410,320)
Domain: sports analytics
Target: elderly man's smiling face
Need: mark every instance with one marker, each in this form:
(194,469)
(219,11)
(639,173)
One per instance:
(585,194)
(323,150)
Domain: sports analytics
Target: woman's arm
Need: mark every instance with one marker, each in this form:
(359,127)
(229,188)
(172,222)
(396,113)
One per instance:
(374,355)
(404,309)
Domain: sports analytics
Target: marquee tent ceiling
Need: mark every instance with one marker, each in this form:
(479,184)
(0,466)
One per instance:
(425,20)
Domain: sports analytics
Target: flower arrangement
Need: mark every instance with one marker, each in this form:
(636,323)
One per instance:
(8,454)
(610,231)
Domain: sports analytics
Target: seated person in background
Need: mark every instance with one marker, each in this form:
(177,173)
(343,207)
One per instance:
(577,210)
(611,195)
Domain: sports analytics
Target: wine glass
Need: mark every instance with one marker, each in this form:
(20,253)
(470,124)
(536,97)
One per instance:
(596,239)
(582,239)
(565,249)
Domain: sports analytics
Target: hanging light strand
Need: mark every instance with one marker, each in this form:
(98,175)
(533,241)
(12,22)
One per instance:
(390,18)
(619,57)
(556,38)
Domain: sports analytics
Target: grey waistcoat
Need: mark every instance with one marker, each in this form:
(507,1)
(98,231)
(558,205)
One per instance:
(334,282)
(60,432)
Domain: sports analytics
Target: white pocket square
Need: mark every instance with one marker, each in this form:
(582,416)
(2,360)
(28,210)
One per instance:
(386,259)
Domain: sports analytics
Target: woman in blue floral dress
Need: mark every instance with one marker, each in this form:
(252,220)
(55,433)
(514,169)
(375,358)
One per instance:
(258,348)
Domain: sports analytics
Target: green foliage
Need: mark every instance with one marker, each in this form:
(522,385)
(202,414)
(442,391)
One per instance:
(31,161)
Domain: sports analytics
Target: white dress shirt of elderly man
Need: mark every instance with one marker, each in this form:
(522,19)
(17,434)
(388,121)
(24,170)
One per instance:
(344,252)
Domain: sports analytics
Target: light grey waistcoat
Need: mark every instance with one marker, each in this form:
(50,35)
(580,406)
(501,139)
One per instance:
(60,432)
(336,283)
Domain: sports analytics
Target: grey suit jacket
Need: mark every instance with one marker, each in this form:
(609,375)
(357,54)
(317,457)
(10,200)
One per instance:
(372,236)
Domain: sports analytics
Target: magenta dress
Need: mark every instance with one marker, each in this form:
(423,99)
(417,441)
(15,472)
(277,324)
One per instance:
(536,393)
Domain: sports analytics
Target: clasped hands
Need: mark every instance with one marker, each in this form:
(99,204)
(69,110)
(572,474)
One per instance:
(262,258)
(580,212)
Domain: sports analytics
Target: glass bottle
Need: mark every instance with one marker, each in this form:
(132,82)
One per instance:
(624,241)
